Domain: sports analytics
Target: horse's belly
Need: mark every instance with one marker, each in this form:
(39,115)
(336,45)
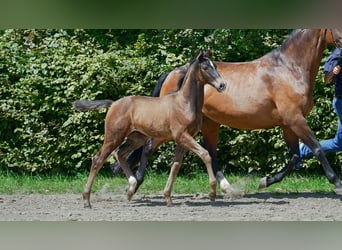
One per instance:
(245,121)
(243,117)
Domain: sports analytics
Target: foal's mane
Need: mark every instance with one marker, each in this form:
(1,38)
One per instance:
(189,69)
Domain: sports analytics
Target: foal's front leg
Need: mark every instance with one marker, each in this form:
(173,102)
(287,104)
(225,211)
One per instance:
(189,143)
(180,151)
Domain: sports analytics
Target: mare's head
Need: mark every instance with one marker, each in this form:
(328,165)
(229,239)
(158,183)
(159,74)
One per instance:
(334,37)
(208,70)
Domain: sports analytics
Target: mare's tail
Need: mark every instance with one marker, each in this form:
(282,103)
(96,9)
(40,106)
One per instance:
(157,88)
(84,105)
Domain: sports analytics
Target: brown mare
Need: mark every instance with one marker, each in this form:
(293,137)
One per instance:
(273,90)
(176,116)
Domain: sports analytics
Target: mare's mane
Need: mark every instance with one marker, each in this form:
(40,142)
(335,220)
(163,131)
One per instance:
(290,39)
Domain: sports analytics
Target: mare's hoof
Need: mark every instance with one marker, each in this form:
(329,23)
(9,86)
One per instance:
(129,196)
(263,183)
(338,191)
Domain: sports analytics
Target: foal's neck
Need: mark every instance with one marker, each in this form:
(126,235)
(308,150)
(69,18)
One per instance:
(192,89)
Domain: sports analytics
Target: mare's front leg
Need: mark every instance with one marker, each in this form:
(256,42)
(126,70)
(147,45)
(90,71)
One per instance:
(189,143)
(97,163)
(180,151)
(210,133)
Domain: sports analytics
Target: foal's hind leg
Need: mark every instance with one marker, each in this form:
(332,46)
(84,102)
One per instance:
(97,163)
(134,141)
(189,143)
(180,151)
(132,181)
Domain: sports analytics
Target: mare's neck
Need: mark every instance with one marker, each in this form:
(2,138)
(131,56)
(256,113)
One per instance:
(303,51)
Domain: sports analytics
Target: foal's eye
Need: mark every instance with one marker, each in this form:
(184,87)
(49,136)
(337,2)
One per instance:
(205,66)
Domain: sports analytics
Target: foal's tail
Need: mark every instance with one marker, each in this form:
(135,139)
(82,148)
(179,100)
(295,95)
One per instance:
(84,105)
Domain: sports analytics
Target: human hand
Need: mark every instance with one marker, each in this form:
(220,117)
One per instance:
(337,69)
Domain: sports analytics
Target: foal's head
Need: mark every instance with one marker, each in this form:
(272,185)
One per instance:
(208,70)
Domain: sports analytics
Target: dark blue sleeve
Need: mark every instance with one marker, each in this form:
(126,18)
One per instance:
(331,62)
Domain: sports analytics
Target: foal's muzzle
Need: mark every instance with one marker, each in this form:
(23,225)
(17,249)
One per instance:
(222,86)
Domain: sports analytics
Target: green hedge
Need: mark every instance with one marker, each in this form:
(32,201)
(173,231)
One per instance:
(43,71)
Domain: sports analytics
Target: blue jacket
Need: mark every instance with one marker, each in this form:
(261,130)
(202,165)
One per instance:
(334,59)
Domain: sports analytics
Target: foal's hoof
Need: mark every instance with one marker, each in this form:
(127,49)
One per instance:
(86,204)
(263,183)
(212,197)
(169,202)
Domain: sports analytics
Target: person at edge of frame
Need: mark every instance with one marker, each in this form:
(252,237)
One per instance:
(333,75)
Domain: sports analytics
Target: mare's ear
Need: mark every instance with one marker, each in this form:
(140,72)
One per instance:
(336,35)
(199,55)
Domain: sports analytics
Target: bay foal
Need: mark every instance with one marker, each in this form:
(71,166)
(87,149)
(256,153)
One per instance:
(177,116)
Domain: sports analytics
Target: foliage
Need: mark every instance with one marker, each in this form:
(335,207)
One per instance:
(43,71)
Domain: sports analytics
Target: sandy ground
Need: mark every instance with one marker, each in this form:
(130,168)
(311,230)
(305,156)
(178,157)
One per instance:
(113,207)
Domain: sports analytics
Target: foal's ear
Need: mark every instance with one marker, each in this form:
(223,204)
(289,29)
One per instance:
(200,55)
(209,53)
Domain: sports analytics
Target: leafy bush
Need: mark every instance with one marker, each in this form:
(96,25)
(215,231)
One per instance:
(42,73)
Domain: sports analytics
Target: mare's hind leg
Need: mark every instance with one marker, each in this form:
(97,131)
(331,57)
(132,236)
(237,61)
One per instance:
(303,131)
(306,135)
(97,163)
(150,146)
(210,133)
(189,143)
(180,151)
(292,142)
